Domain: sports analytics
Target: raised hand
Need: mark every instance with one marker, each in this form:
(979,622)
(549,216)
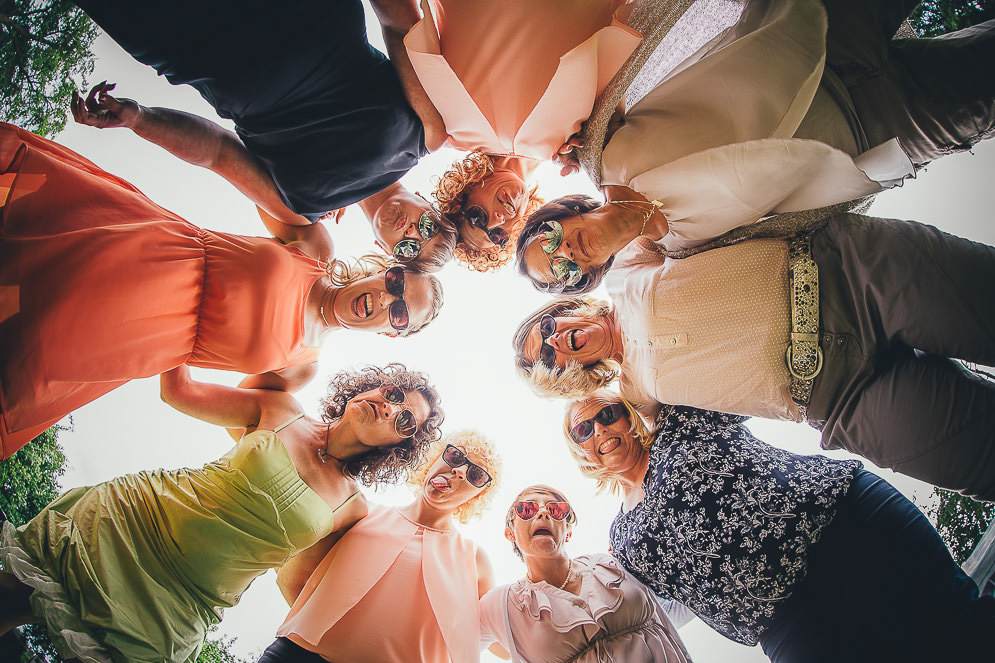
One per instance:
(101,110)
(565,156)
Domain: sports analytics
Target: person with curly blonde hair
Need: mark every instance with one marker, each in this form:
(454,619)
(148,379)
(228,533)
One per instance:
(110,287)
(486,198)
(346,589)
(175,547)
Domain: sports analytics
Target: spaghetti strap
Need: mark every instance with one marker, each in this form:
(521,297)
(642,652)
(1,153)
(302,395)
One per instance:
(287,423)
(347,500)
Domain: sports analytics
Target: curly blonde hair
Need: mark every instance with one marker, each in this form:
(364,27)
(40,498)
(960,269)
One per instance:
(450,194)
(342,273)
(472,442)
(574,380)
(604,478)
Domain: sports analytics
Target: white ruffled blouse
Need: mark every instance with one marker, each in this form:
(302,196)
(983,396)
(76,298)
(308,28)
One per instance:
(612,618)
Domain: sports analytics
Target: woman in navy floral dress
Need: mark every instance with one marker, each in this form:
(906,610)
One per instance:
(816,559)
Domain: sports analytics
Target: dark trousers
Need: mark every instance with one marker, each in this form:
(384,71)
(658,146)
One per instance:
(937,95)
(898,300)
(880,588)
(285,651)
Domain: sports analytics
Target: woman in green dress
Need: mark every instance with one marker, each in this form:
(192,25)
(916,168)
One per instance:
(138,568)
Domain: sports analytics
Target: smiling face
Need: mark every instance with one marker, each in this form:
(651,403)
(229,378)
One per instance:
(446,488)
(373,417)
(365,303)
(501,198)
(541,536)
(566,245)
(613,446)
(584,340)
(397,218)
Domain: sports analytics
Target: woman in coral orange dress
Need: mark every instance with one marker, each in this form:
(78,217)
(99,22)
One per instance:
(99,285)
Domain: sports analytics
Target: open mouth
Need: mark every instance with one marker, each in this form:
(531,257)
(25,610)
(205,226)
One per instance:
(506,202)
(542,531)
(440,483)
(576,339)
(609,446)
(362,306)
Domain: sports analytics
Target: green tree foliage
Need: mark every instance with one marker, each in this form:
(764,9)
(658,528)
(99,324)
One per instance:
(44,54)
(219,651)
(29,480)
(934,17)
(961,522)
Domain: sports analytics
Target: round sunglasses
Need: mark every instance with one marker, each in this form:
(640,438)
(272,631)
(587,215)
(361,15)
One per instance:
(606,416)
(405,424)
(428,227)
(475,475)
(476,216)
(528,509)
(397,312)
(566,271)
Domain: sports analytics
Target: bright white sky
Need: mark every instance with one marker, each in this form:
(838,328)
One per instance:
(466,350)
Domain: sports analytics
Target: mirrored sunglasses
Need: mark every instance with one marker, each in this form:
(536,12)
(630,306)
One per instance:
(528,509)
(405,424)
(475,475)
(428,227)
(550,236)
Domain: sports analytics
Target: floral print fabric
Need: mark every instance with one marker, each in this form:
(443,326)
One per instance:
(727,519)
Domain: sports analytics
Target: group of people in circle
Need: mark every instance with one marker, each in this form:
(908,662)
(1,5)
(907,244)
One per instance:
(850,323)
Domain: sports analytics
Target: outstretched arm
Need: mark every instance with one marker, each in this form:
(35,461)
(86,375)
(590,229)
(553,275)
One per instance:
(230,407)
(192,138)
(397,17)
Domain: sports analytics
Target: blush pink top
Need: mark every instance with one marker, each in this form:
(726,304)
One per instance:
(405,591)
(517,76)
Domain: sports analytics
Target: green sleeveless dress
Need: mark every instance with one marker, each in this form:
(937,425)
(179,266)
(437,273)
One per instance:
(137,568)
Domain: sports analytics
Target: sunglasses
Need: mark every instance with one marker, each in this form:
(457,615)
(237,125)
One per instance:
(405,424)
(528,509)
(475,475)
(476,216)
(566,271)
(428,227)
(606,416)
(547,353)
(397,312)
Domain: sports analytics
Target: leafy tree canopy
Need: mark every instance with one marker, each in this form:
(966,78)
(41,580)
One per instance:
(961,522)
(44,54)
(29,479)
(934,17)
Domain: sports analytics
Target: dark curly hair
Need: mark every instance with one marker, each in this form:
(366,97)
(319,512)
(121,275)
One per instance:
(566,207)
(391,464)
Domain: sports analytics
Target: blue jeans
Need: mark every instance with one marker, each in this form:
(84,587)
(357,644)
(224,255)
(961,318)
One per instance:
(881,586)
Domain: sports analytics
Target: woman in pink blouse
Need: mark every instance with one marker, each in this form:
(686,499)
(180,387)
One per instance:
(346,588)
(583,609)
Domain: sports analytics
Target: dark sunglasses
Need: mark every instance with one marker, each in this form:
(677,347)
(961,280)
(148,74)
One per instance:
(547,353)
(476,216)
(405,424)
(397,312)
(606,416)
(428,227)
(475,475)
(527,509)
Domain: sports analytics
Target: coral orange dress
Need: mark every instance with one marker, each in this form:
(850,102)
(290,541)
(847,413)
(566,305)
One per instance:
(99,285)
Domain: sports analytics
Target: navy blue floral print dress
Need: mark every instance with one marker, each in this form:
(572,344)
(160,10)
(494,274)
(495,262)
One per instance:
(727,519)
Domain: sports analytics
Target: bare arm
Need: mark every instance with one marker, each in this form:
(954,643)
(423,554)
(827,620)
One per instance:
(230,407)
(192,138)
(289,380)
(396,18)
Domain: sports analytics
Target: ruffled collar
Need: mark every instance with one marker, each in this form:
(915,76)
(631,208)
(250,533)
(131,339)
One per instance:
(600,594)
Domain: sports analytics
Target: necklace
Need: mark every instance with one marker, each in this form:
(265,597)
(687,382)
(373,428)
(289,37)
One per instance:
(570,566)
(323,454)
(321,311)
(639,207)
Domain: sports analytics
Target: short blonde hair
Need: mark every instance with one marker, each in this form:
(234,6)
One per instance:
(574,380)
(542,489)
(604,478)
(450,193)
(342,273)
(472,442)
